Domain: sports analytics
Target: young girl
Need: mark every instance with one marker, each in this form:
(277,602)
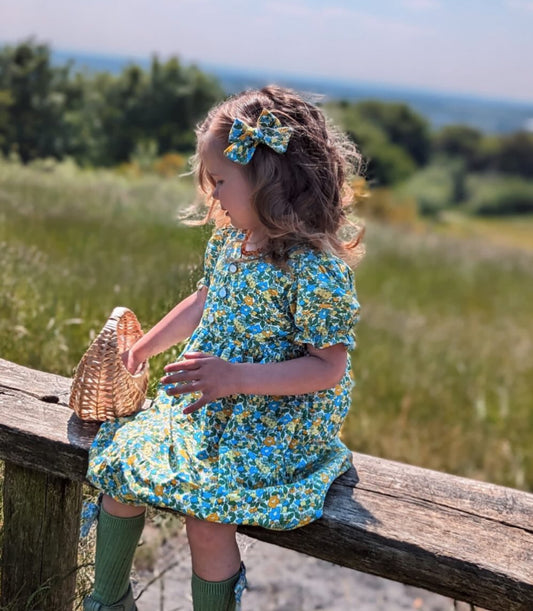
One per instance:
(244,429)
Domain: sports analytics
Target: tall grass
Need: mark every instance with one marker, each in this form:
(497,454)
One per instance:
(444,363)
(74,245)
(443,366)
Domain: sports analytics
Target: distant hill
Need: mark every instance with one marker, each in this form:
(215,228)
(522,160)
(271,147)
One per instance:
(488,115)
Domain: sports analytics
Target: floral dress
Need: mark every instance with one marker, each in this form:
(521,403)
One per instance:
(244,459)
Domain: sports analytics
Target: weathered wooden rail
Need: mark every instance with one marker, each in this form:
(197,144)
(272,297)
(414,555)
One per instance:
(468,540)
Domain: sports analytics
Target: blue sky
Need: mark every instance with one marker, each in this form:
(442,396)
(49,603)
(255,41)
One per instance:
(474,46)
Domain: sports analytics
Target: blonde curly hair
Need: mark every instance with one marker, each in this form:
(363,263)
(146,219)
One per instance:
(301,197)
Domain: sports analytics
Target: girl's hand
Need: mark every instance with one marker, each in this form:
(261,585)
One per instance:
(200,372)
(131,363)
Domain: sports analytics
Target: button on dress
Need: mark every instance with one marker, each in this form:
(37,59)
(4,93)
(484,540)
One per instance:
(245,459)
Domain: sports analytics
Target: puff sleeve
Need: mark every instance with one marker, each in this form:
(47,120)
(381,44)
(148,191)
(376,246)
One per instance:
(325,306)
(212,252)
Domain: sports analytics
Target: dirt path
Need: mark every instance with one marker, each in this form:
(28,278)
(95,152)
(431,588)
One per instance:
(283,580)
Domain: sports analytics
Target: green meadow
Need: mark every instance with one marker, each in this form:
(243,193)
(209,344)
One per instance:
(444,364)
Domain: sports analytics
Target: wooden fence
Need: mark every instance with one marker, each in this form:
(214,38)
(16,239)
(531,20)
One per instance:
(465,539)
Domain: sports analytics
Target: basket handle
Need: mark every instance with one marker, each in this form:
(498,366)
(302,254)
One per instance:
(114,320)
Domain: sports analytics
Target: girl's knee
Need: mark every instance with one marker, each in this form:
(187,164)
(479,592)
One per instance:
(207,534)
(121,510)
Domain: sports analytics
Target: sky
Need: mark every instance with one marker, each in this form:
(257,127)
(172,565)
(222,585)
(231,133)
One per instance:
(471,46)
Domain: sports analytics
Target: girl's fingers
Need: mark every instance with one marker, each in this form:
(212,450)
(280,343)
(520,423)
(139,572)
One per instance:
(182,389)
(181,376)
(181,365)
(190,361)
(196,405)
(184,374)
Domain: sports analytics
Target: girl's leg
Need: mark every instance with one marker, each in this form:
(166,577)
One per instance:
(216,563)
(117,535)
(214,550)
(120,510)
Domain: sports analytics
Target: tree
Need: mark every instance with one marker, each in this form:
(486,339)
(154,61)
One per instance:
(459,141)
(386,163)
(516,154)
(99,119)
(33,99)
(403,126)
(161,106)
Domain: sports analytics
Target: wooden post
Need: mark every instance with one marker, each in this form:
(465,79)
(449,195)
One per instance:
(40,540)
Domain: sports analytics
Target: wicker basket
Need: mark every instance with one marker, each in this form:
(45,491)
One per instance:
(102,387)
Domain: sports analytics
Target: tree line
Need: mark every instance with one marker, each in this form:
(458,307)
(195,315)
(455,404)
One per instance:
(101,119)
(397,142)
(97,119)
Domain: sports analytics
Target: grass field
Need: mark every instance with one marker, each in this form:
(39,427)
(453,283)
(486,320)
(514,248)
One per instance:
(443,366)
(511,232)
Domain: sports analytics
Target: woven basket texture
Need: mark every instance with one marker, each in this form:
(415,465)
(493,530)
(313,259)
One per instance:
(102,387)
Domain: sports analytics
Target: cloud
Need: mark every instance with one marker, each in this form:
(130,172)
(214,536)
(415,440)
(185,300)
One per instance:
(339,16)
(422,5)
(395,42)
(523,5)
(297,9)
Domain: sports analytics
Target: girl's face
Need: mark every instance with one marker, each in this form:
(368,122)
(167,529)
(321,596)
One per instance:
(231,188)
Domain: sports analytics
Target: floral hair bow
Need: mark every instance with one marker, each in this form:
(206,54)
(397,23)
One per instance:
(244,139)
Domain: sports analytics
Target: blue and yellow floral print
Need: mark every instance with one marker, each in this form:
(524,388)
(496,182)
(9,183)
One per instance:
(244,139)
(244,459)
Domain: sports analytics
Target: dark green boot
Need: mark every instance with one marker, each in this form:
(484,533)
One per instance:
(116,541)
(126,603)
(218,595)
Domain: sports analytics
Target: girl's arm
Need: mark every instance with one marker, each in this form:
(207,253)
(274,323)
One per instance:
(215,378)
(176,326)
(319,370)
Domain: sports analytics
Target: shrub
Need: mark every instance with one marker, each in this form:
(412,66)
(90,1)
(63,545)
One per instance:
(382,205)
(129,169)
(170,165)
(432,188)
(498,195)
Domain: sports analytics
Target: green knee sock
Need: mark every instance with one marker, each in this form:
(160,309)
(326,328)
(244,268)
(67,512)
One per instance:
(213,595)
(116,541)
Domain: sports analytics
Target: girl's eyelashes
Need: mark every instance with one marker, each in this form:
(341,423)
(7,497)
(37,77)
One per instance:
(215,181)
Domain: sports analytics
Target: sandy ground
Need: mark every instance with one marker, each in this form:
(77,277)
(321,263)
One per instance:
(284,580)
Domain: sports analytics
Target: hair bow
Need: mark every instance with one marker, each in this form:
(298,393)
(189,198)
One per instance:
(244,139)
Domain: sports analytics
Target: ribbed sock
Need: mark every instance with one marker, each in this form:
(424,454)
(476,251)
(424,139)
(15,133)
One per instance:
(213,595)
(116,541)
